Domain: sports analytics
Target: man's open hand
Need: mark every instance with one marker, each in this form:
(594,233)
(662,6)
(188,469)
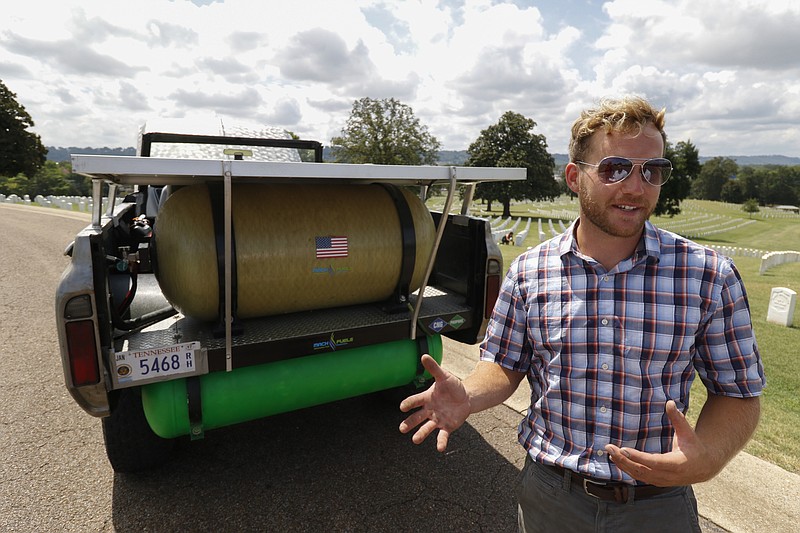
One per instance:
(444,406)
(688,462)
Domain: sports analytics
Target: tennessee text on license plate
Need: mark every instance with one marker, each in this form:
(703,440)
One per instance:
(135,367)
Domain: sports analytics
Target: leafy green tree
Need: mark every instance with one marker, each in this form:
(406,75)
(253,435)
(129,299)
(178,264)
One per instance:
(53,178)
(778,189)
(79,185)
(21,151)
(384,132)
(792,177)
(512,143)
(18,185)
(751,182)
(750,206)
(686,166)
(50,179)
(713,176)
(732,192)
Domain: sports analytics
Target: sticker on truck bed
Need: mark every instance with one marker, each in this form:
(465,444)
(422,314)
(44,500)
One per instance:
(136,367)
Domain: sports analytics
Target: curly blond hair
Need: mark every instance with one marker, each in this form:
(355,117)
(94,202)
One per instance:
(624,115)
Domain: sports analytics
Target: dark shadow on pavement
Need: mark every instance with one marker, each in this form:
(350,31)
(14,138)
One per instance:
(337,467)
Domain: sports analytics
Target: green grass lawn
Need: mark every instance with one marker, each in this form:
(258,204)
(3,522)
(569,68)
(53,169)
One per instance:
(777,439)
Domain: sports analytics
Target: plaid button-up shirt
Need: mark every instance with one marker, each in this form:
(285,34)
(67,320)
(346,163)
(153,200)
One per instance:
(604,350)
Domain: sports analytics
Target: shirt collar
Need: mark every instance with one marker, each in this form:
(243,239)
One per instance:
(652,241)
(567,242)
(649,245)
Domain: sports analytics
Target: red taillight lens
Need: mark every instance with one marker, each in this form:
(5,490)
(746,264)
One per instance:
(492,291)
(493,271)
(82,353)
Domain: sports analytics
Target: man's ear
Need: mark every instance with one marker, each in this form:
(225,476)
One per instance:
(571,172)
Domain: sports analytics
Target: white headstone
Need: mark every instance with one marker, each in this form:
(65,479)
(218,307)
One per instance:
(782,302)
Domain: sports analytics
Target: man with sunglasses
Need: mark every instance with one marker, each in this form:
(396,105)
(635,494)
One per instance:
(610,322)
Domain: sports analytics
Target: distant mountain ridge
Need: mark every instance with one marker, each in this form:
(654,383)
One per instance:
(757,160)
(446,157)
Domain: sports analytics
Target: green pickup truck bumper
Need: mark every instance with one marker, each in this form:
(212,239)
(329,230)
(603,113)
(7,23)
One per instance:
(254,392)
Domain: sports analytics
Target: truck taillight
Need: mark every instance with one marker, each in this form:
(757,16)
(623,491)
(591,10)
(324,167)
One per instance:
(82,353)
(492,286)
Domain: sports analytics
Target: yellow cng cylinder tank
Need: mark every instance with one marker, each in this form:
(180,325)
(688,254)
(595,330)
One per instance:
(297,247)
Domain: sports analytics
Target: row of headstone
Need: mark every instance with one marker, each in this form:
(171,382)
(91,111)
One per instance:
(503,229)
(82,204)
(565,214)
(735,251)
(720,228)
(13,199)
(771,259)
(772,212)
(498,234)
(519,237)
(553,231)
(701,220)
(499,224)
(522,235)
(70,203)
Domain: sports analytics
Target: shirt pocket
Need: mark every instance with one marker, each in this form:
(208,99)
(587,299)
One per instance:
(661,336)
(549,328)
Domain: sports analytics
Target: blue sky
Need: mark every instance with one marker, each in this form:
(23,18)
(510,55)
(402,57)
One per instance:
(91,71)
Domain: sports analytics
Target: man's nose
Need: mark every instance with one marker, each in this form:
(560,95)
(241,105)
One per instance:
(636,181)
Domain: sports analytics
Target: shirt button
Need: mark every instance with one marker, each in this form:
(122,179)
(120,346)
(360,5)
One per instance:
(605,278)
(603,409)
(604,366)
(604,321)
(600,453)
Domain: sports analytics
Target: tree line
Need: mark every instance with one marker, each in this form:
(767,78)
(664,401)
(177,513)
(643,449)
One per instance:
(722,179)
(386,131)
(52,178)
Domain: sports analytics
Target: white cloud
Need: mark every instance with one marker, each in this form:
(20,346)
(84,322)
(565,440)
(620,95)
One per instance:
(92,70)
(131,98)
(320,55)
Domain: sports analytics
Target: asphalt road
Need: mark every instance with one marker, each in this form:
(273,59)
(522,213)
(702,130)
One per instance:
(338,467)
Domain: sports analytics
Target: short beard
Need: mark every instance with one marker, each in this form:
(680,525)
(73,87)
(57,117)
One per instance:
(597,215)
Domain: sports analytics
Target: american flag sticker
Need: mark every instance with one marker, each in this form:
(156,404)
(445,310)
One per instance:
(328,247)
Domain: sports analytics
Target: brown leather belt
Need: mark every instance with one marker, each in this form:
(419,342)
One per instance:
(610,491)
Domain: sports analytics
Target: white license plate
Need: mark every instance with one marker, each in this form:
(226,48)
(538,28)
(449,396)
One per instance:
(155,364)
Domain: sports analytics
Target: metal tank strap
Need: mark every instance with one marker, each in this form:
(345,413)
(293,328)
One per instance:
(217,196)
(195,407)
(408,234)
(422,348)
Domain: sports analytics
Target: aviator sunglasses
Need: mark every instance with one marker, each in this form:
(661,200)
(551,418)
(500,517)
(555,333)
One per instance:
(614,169)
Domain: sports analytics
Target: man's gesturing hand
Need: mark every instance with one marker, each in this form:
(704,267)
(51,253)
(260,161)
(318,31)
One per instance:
(724,426)
(444,406)
(687,463)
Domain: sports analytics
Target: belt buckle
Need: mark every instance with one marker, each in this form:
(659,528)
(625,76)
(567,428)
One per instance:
(620,493)
(587,482)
